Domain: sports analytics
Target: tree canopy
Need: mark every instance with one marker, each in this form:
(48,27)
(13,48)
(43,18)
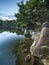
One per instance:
(31,12)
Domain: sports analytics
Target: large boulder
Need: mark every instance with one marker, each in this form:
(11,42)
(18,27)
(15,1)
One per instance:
(40,46)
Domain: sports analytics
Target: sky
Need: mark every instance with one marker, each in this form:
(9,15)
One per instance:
(8,8)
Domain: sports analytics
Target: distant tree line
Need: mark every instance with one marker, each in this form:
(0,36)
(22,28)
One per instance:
(29,16)
(8,24)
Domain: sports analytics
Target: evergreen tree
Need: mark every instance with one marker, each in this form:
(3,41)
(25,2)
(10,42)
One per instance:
(31,13)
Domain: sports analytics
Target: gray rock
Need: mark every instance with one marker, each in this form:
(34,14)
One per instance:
(23,46)
(28,58)
(45,24)
(22,42)
(25,50)
(40,47)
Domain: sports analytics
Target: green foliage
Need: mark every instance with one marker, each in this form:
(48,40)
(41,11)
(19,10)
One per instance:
(31,12)
(25,16)
(20,54)
(8,24)
(1,24)
(47,2)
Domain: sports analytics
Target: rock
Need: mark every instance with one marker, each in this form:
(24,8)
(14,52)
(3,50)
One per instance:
(22,42)
(37,61)
(33,46)
(23,46)
(40,47)
(27,34)
(27,39)
(28,58)
(46,24)
(25,50)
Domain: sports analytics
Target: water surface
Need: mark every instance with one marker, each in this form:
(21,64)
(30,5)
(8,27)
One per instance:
(7,42)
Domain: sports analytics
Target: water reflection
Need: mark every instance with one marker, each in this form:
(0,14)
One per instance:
(6,45)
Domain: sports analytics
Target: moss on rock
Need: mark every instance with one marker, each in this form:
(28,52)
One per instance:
(21,56)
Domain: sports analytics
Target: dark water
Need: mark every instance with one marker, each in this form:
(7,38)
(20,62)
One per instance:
(7,42)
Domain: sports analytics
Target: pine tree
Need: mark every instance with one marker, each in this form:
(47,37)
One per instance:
(31,12)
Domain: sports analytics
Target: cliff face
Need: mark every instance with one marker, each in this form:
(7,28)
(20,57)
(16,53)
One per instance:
(40,47)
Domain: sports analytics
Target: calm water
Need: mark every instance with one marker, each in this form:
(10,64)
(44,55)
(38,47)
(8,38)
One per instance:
(6,46)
